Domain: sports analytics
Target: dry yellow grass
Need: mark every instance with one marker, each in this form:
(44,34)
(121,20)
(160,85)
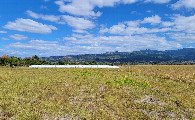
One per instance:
(131,92)
(184,73)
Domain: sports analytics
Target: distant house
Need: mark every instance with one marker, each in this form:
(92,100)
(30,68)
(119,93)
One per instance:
(5,56)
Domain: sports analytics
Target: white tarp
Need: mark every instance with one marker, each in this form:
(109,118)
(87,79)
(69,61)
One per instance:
(72,66)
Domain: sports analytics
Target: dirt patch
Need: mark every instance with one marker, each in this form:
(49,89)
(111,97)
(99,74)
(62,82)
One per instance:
(150,100)
(160,113)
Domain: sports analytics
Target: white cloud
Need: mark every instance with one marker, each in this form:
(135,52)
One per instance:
(76,7)
(18,37)
(133,23)
(158,1)
(33,14)
(3,38)
(82,44)
(9,52)
(185,24)
(80,31)
(115,29)
(79,24)
(179,28)
(35,45)
(184,3)
(51,18)
(46,48)
(153,20)
(3,31)
(129,1)
(102,3)
(27,25)
(124,43)
(183,37)
(132,28)
(85,8)
(167,24)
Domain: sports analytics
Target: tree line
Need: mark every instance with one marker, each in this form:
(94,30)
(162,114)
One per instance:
(35,60)
(15,61)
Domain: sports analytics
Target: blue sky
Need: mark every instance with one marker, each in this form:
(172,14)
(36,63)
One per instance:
(64,27)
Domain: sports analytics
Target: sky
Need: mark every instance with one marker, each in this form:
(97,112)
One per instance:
(71,27)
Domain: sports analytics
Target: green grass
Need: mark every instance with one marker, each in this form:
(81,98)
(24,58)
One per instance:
(126,81)
(131,92)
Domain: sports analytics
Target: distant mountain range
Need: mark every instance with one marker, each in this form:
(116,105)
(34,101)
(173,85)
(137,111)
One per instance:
(142,56)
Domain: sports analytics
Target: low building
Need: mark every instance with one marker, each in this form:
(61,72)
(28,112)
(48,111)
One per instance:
(72,66)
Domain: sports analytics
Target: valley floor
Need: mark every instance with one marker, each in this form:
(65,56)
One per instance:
(130,92)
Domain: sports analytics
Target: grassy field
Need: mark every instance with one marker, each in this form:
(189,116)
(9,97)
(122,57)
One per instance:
(131,92)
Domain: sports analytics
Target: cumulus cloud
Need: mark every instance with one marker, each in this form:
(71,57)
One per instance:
(125,43)
(79,24)
(133,27)
(85,8)
(179,28)
(83,44)
(3,31)
(89,43)
(183,37)
(3,38)
(18,37)
(51,18)
(158,1)
(80,31)
(10,52)
(117,29)
(129,1)
(167,24)
(28,25)
(35,45)
(46,48)
(185,24)
(124,29)
(184,3)
(153,20)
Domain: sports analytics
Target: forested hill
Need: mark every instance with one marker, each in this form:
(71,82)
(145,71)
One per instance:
(143,56)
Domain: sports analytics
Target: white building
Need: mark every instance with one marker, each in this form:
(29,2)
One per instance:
(72,66)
